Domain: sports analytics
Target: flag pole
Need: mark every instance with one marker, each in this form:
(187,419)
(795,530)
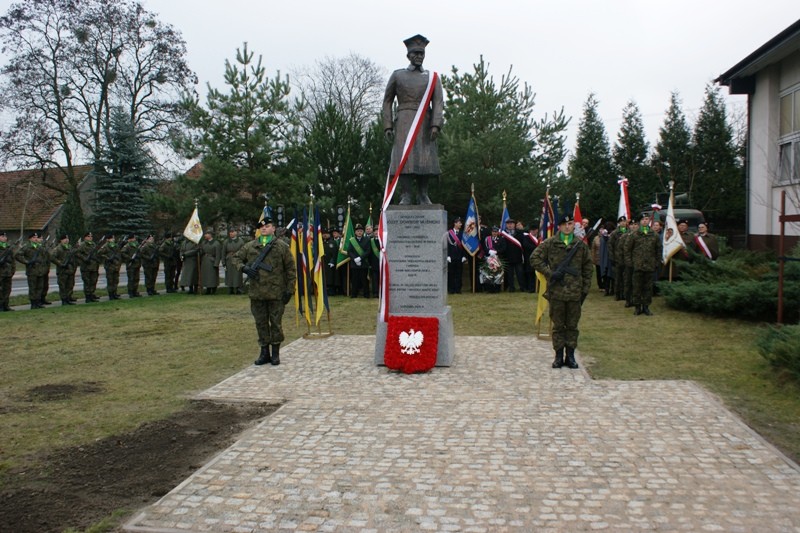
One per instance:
(199,289)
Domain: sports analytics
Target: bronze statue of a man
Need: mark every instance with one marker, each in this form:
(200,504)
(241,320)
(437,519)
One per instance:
(408,86)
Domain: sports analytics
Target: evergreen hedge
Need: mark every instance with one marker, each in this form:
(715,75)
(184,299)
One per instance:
(739,284)
(781,347)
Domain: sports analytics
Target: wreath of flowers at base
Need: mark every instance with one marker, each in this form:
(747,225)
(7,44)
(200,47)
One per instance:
(491,269)
(411,343)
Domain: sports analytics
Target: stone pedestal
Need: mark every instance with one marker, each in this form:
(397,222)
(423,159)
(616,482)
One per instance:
(417,254)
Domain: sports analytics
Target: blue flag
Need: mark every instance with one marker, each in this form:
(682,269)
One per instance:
(469,235)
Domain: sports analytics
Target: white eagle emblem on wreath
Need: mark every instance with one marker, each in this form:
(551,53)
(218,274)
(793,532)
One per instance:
(411,341)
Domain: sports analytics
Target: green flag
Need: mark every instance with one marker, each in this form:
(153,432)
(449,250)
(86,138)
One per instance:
(344,245)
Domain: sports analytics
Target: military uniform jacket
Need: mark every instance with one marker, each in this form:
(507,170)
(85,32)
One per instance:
(549,255)
(229,249)
(359,248)
(35,258)
(8,263)
(131,255)
(111,256)
(644,250)
(280,279)
(168,251)
(408,86)
(87,256)
(63,257)
(149,254)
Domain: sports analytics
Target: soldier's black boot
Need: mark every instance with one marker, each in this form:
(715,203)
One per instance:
(263,357)
(230,290)
(405,189)
(646,310)
(422,190)
(558,362)
(638,310)
(570,362)
(66,302)
(276,354)
(35,304)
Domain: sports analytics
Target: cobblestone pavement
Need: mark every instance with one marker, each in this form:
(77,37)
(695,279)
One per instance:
(497,442)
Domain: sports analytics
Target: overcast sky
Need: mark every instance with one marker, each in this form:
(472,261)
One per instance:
(564,49)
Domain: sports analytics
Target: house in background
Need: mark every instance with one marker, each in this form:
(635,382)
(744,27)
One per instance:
(770,77)
(29,204)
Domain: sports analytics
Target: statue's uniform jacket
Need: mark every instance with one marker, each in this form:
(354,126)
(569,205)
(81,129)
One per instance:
(408,87)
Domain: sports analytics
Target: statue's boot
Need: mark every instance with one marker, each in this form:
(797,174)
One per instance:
(422,190)
(405,189)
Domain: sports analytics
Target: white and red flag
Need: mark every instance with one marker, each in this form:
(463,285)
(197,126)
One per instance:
(624,209)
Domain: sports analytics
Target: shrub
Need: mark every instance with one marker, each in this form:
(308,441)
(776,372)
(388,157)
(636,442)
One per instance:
(781,347)
(739,284)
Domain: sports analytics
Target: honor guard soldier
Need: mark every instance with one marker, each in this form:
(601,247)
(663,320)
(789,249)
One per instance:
(644,250)
(150,263)
(190,271)
(111,256)
(566,262)
(268,264)
(8,266)
(169,253)
(90,265)
(37,265)
(131,256)
(63,256)
(233,276)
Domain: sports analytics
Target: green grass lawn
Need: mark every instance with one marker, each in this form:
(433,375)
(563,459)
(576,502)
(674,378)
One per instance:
(148,356)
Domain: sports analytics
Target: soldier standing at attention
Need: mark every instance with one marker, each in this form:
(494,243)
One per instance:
(624,245)
(566,262)
(190,271)
(112,262)
(90,266)
(150,264)
(270,268)
(8,266)
(63,257)
(617,257)
(644,250)
(37,264)
(209,263)
(133,263)
(233,276)
(168,252)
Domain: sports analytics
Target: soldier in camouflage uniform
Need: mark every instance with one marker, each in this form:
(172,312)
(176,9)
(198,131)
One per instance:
(132,257)
(90,266)
(625,244)
(112,262)
(37,265)
(272,277)
(567,286)
(644,250)
(63,256)
(169,253)
(8,266)
(150,263)
(617,259)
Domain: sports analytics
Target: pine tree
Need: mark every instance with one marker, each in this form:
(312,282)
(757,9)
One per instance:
(631,158)
(591,171)
(241,136)
(672,159)
(122,181)
(719,188)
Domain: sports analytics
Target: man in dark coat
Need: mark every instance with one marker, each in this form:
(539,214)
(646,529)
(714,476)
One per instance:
(568,282)
(233,276)
(512,256)
(456,257)
(408,86)
(359,252)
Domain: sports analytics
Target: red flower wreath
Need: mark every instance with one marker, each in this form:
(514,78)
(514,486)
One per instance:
(411,343)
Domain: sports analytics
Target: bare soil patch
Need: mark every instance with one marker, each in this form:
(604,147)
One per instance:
(78,487)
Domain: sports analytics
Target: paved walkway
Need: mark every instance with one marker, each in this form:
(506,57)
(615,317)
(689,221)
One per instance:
(497,442)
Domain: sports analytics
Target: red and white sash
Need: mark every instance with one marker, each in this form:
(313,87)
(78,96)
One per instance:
(391,185)
(703,246)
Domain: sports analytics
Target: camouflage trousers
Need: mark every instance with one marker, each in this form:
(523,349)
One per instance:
(133,278)
(112,279)
(37,287)
(565,317)
(89,278)
(5,290)
(66,283)
(642,290)
(268,315)
(150,275)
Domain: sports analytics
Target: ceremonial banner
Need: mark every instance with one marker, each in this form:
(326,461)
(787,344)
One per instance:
(193,230)
(469,235)
(672,237)
(624,209)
